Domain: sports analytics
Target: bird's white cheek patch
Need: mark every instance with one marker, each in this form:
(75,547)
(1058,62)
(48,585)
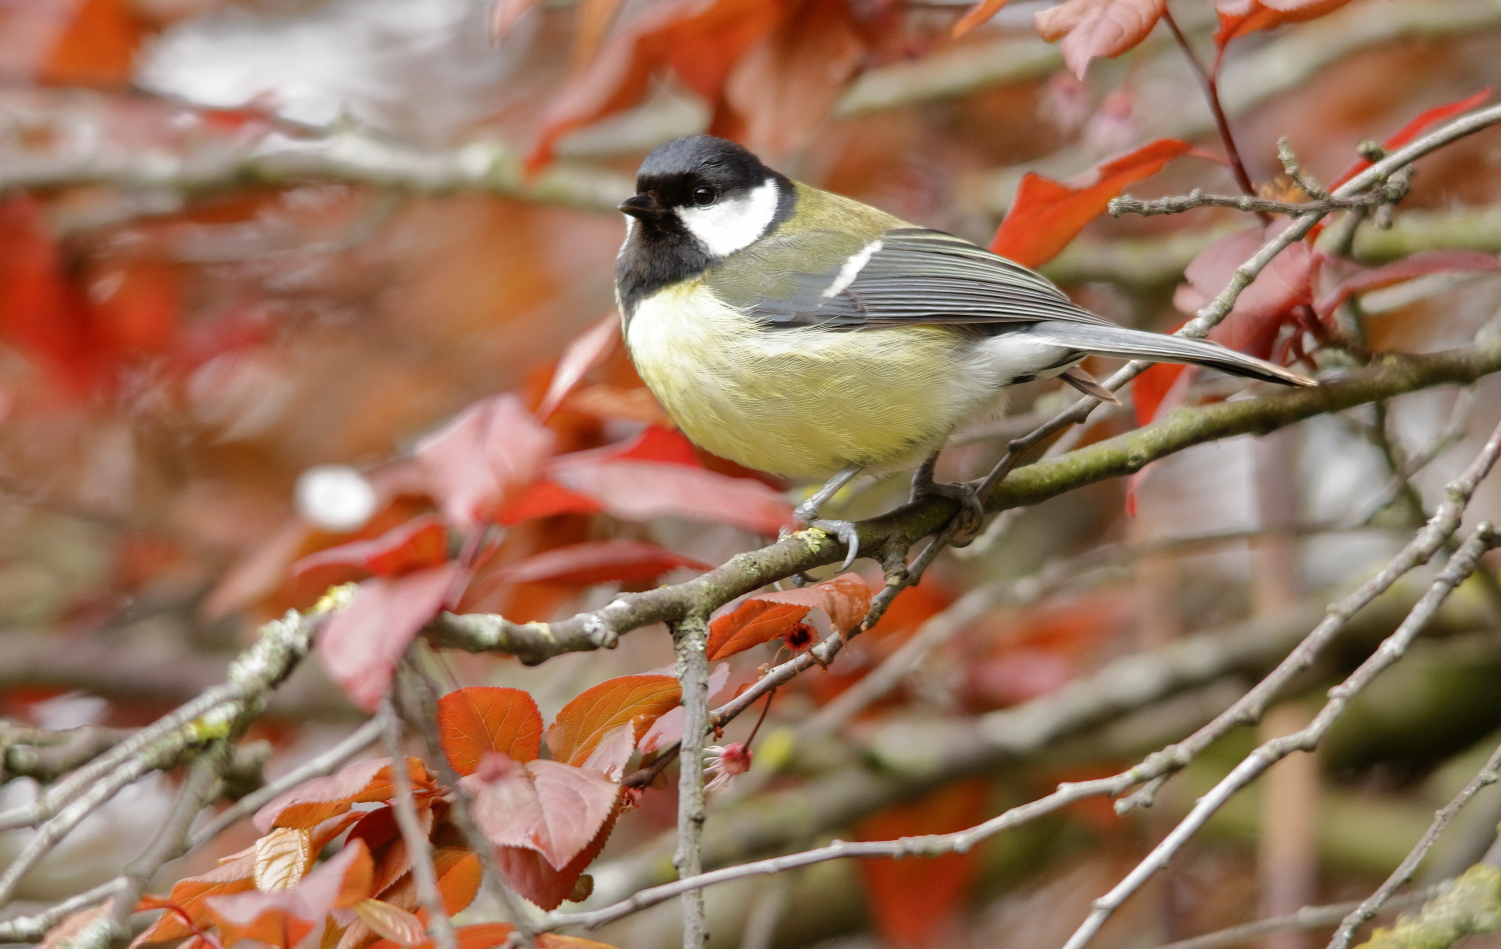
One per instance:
(731,225)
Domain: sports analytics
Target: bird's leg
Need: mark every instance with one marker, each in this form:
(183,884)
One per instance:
(971,509)
(805,515)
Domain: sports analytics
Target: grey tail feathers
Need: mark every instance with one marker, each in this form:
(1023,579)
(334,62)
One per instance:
(1135,344)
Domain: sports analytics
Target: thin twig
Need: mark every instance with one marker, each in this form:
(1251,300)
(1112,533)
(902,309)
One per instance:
(1309,917)
(1460,566)
(1177,204)
(202,786)
(690,638)
(1372,904)
(1211,92)
(419,848)
(325,763)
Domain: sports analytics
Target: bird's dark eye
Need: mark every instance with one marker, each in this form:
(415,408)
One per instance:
(703,196)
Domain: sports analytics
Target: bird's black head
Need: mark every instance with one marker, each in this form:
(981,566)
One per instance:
(699,199)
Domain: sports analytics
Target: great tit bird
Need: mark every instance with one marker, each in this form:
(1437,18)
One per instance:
(807,334)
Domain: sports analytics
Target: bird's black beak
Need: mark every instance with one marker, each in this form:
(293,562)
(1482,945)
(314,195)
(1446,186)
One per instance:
(642,206)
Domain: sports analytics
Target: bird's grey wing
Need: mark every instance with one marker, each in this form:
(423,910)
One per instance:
(909,276)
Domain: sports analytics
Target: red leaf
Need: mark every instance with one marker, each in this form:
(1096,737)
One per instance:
(656,443)
(699,40)
(41,313)
(96,48)
(545,499)
(361,646)
(584,353)
(316,800)
(916,900)
(645,490)
(1416,127)
(845,598)
(475,721)
(977,15)
(545,806)
(283,917)
(416,545)
(1263,307)
(599,561)
(583,722)
(1439,261)
(1091,28)
(1149,390)
(1240,17)
(786,85)
(753,622)
(535,879)
(1047,214)
(488,452)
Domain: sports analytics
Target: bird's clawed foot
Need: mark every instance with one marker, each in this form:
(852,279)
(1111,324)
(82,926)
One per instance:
(971,508)
(805,515)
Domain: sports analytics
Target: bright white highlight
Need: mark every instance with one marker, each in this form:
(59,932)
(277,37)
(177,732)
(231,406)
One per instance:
(852,268)
(334,498)
(731,225)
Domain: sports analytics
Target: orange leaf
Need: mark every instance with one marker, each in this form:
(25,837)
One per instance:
(1091,28)
(583,722)
(188,896)
(753,622)
(916,900)
(283,917)
(476,721)
(490,935)
(1240,18)
(392,922)
(314,801)
(459,874)
(97,47)
(1047,214)
(978,14)
(845,598)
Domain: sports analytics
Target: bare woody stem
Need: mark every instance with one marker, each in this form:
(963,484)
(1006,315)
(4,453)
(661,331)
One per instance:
(1212,93)
(419,848)
(690,638)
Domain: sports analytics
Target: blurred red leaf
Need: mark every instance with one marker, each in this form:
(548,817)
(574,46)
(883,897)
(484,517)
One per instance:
(416,545)
(316,800)
(1091,28)
(475,721)
(583,722)
(916,900)
(599,561)
(645,490)
(548,807)
(1016,676)
(604,401)
(786,84)
(977,15)
(96,48)
(588,350)
(753,622)
(485,454)
(1416,127)
(283,917)
(545,499)
(1264,306)
(656,443)
(1439,261)
(698,40)
(845,598)
(1240,17)
(41,314)
(1047,214)
(361,645)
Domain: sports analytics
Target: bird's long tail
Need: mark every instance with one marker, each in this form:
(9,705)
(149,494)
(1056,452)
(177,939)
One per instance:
(1135,344)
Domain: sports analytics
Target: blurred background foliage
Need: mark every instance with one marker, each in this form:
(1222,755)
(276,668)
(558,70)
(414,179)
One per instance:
(189,326)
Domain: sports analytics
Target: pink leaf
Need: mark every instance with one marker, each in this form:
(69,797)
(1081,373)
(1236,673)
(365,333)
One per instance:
(416,545)
(489,451)
(599,561)
(845,599)
(361,646)
(1262,308)
(584,353)
(551,808)
(645,490)
(1091,28)
(1418,265)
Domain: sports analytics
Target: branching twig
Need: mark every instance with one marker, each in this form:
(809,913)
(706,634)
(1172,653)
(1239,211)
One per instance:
(1372,904)
(1460,566)
(1211,92)
(419,848)
(1309,917)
